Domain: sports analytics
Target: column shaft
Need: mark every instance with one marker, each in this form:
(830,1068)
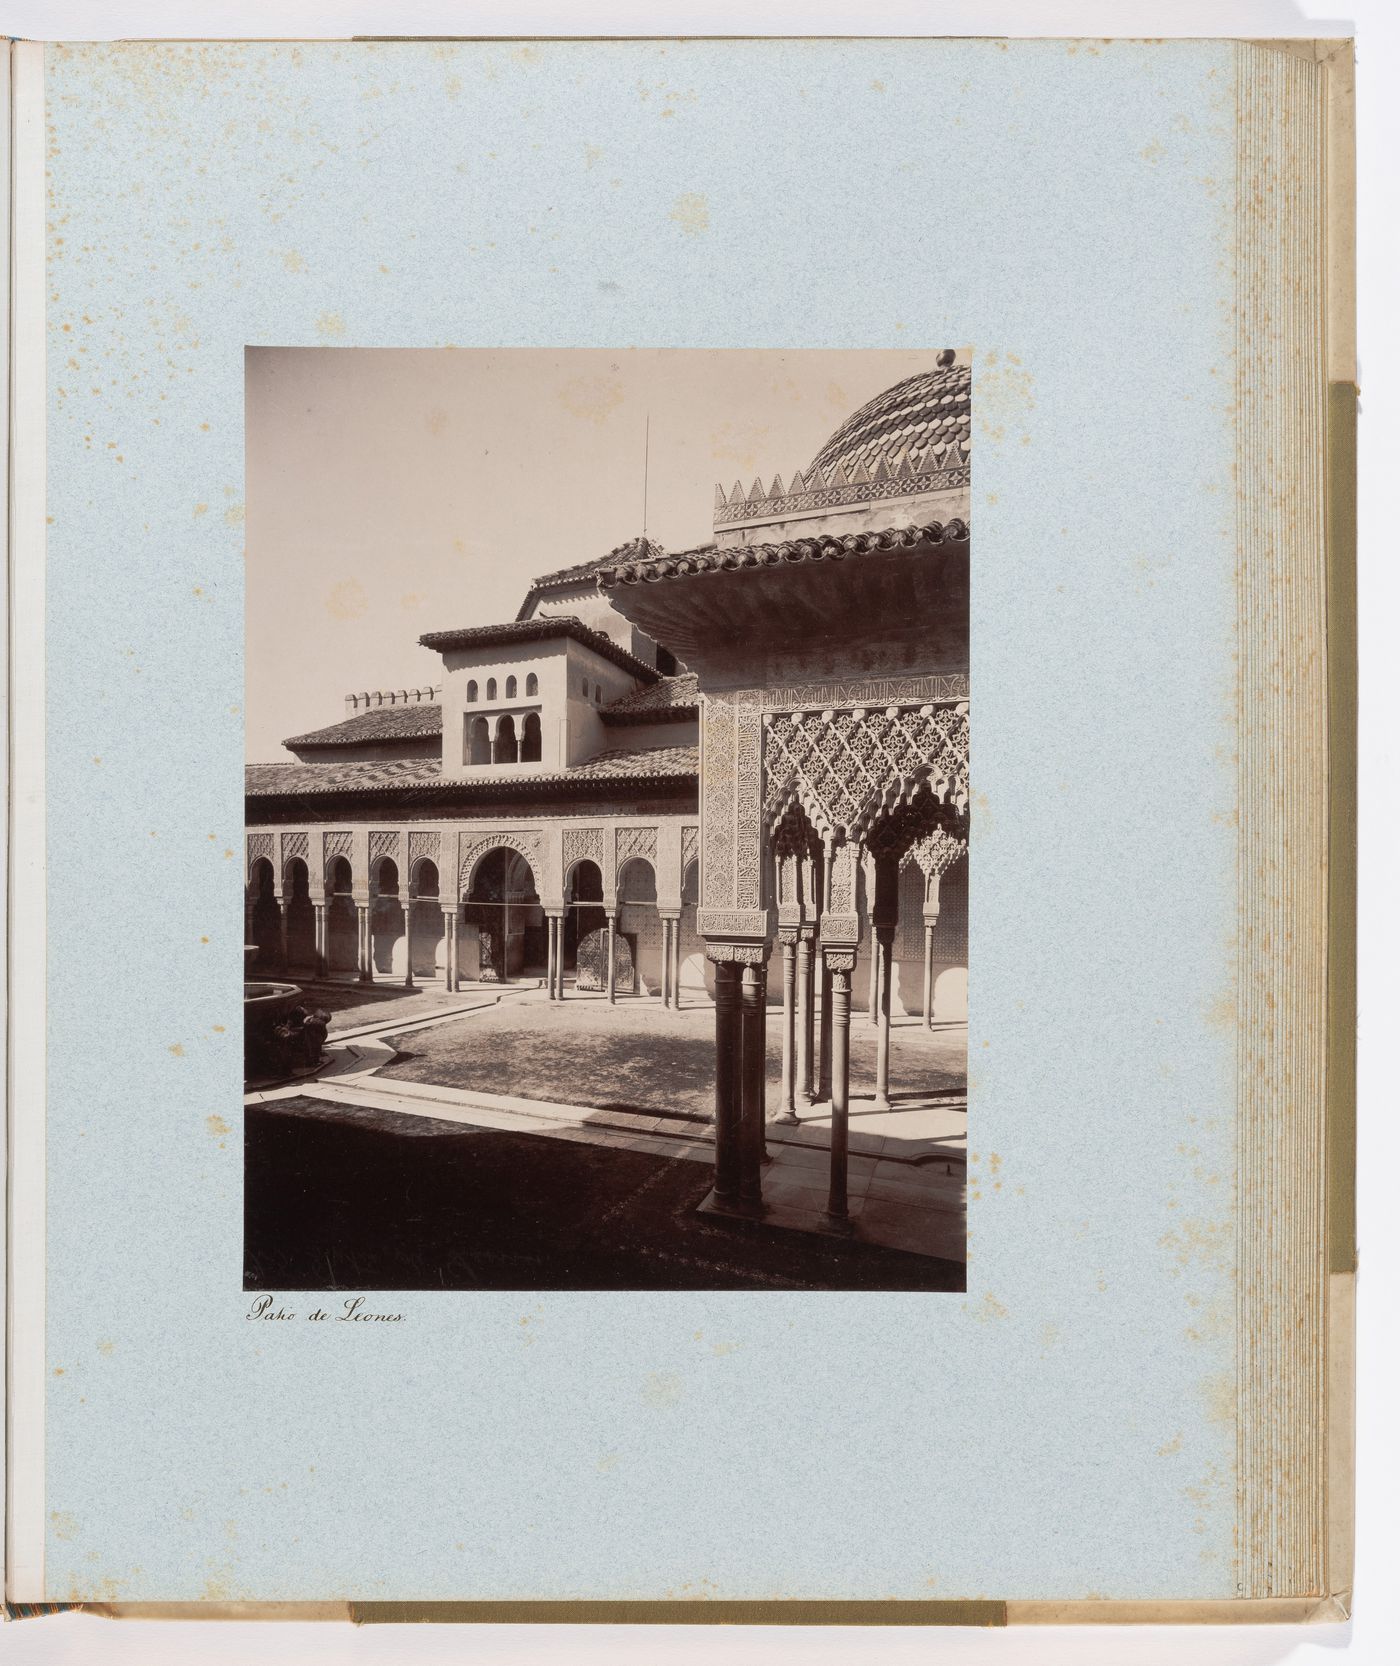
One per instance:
(928,973)
(282,935)
(319,909)
(408,943)
(803,1089)
(824,1063)
(884,954)
(612,957)
(676,964)
(788,1107)
(366,942)
(449,946)
(873,1007)
(840,984)
(728,1093)
(753,1009)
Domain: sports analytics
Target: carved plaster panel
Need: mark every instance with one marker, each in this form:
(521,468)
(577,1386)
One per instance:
(471,847)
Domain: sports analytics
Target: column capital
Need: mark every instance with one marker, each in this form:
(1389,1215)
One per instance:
(839,958)
(737,954)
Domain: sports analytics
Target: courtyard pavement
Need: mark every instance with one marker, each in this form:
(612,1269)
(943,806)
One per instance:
(340,1197)
(637,1078)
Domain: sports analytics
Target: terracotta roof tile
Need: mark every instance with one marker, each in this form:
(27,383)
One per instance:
(380,723)
(635,549)
(538,630)
(708,559)
(672,697)
(391,774)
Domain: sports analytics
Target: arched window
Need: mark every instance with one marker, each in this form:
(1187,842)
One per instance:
(490,688)
(530,740)
(478,741)
(532,686)
(510,688)
(585,688)
(471,692)
(597,694)
(506,749)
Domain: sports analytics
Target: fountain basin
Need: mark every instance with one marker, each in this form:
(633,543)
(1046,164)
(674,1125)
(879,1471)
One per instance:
(265,1005)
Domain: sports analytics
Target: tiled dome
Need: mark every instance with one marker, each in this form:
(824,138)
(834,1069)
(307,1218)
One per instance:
(922,416)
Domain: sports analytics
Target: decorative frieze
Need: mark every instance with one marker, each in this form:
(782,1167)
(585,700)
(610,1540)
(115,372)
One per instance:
(583,844)
(817,492)
(382,844)
(636,842)
(732,922)
(259,848)
(748,805)
(293,847)
(865,691)
(424,845)
(690,846)
(717,789)
(338,844)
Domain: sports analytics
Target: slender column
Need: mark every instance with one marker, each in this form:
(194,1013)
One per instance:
(665,961)
(824,1050)
(753,1013)
(281,932)
(873,1010)
(320,915)
(249,904)
(560,925)
(612,958)
(728,1098)
(408,942)
(884,954)
(550,924)
(676,964)
(449,947)
(791,1071)
(839,965)
(803,1087)
(366,926)
(929,923)
(824,1062)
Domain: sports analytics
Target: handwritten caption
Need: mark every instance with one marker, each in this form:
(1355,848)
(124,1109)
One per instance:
(352,1310)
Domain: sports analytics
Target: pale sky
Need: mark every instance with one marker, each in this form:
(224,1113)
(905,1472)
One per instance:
(397,491)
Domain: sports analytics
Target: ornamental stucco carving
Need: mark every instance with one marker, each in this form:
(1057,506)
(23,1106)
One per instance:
(472,847)
(382,844)
(848,768)
(636,842)
(423,846)
(583,844)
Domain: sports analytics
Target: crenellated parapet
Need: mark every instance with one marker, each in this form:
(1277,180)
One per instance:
(364,702)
